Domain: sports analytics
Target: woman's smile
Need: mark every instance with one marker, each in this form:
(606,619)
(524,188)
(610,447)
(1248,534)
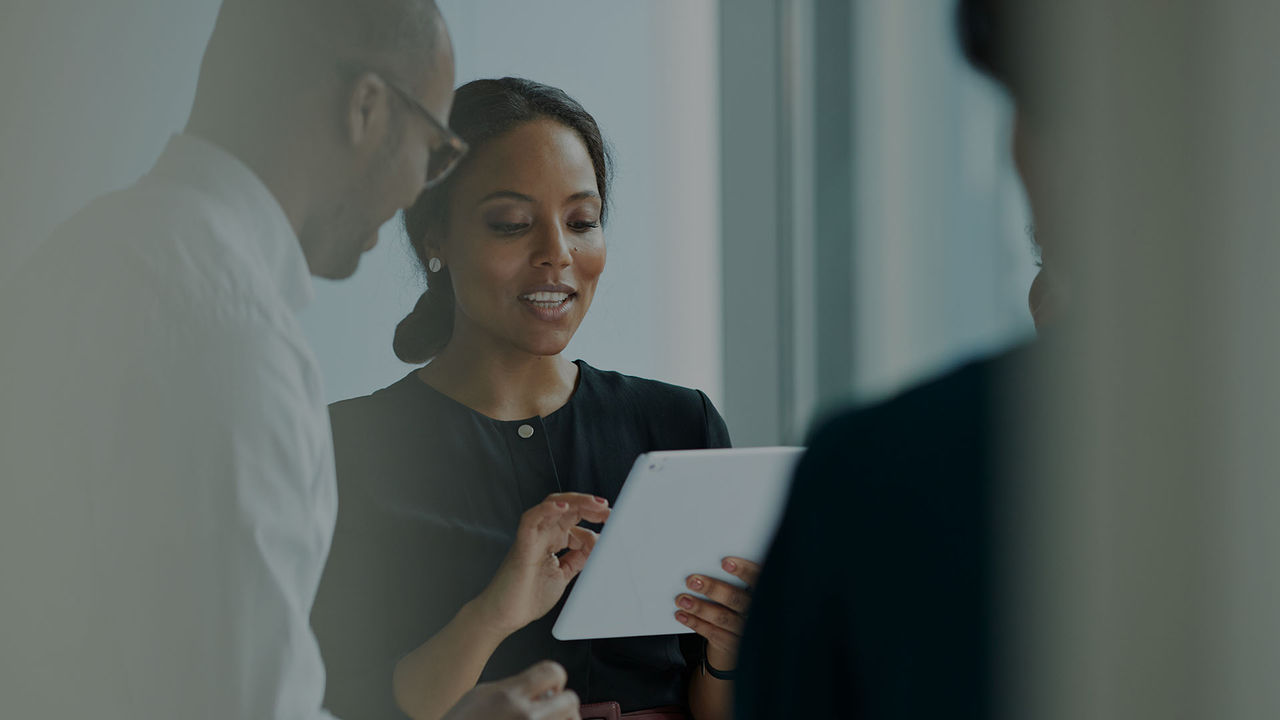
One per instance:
(550,303)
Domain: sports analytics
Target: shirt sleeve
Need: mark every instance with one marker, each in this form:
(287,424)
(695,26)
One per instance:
(230,541)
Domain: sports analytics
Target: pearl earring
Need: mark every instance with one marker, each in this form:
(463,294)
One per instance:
(434,265)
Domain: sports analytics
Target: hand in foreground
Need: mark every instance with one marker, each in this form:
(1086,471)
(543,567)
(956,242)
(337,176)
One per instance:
(721,614)
(535,694)
(532,578)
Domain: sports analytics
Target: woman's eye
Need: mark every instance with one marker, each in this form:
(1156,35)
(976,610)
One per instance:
(583,225)
(507,228)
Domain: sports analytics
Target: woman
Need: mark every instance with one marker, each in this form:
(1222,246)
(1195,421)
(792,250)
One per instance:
(462,486)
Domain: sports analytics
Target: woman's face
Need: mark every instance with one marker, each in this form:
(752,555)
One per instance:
(524,245)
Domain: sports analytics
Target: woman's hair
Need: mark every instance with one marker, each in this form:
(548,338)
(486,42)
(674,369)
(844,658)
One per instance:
(483,111)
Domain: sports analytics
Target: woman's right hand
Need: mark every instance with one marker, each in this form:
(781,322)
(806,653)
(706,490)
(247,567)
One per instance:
(532,578)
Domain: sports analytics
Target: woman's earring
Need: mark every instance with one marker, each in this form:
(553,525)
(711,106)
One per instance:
(434,265)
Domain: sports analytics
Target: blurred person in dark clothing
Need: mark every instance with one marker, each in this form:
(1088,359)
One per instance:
(879,594)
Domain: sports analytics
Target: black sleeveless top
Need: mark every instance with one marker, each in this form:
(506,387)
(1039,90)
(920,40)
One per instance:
(430,493)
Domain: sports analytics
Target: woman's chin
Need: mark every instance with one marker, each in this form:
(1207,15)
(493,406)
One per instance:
(545,346)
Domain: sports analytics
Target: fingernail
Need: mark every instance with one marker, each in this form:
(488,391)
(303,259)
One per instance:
(730,565)
(695,583)
(602,501)
(561,504)
(685,603)
(682,618)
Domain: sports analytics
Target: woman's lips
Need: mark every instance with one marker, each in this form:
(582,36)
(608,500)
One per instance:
(549,306)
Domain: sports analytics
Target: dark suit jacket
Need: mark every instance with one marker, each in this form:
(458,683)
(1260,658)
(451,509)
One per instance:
(876,597)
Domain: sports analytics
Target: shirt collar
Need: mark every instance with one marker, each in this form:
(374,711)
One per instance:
(196,162)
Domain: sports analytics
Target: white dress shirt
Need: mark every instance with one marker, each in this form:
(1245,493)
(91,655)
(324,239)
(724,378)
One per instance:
(167,492)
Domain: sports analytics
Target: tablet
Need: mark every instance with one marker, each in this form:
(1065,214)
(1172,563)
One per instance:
(679,513)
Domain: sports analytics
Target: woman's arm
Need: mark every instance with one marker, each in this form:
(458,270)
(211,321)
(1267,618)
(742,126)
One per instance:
(430,680)
(530,581)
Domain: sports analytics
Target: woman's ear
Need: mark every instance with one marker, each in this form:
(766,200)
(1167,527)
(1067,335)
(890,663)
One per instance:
(368,111)
(437,250)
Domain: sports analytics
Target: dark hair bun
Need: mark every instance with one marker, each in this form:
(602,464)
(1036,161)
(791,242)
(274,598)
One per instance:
(424,332)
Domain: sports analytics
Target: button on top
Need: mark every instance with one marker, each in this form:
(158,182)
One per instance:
(525,431)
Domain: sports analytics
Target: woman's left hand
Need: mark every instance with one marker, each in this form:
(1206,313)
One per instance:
(721,614)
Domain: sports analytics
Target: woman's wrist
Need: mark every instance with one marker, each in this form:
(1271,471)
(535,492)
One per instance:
(719,661)
(482,622)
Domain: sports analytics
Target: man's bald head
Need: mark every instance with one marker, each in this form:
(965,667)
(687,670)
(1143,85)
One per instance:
(262,51)
(334,105)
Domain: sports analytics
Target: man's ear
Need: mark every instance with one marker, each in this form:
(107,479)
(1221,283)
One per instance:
(368,107)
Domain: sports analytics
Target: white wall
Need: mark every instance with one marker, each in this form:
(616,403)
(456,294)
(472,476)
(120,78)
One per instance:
(942,262)
(647,72)
(92,91)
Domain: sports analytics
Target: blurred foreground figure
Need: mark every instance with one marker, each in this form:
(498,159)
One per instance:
(878,596)
(168,491)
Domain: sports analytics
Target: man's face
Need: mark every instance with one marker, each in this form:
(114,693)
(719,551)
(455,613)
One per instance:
(1047,297)
(388,170)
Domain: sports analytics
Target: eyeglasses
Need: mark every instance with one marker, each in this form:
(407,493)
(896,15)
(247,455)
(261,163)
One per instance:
(446,154)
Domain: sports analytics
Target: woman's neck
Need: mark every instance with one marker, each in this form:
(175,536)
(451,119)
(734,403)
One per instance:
(502,383)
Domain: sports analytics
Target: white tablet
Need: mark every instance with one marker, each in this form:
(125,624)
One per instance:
(679,513)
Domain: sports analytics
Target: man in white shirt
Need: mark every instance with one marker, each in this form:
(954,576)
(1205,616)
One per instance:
(167,490)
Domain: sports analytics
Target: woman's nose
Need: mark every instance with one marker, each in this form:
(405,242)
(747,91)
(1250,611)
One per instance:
(553,247)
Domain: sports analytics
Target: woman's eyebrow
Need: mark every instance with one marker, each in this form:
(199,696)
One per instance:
(507,195)
(513,195)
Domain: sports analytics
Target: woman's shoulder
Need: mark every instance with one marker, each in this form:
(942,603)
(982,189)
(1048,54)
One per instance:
(389,399)
(403,412)
(640,390)
(666,408)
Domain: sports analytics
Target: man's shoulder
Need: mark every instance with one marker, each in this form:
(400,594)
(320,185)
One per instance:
(132,217)
(939,431)
(161,251)
(149,277)
(952,398)
(171,238)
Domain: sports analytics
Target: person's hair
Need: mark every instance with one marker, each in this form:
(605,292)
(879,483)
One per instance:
(984,28)
(483,111)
